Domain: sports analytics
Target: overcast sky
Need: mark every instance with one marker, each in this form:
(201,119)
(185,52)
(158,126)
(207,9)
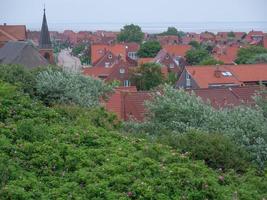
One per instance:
(29,12)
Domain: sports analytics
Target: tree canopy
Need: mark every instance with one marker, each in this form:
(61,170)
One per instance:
(149,49)
(131,33)
(251,54)
(147,76)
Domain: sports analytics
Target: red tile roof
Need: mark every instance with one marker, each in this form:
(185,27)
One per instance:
(226,54)
(12,32)
(144,60)
(99,50)
(97,71)
(228,97)
(127,103)
(177,50)
(205,76)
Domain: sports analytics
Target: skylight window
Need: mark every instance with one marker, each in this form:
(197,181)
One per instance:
(226,73)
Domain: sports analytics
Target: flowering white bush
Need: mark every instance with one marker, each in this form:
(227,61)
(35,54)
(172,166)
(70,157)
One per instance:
(66,87)
(177,111)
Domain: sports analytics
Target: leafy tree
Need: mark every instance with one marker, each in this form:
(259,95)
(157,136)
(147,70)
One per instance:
(209,46)
(250,54)
(170,31)
(259,58)
(210,61)
(149,49)
(196,56)
(147,76)
(195,44)
(131,33)
(231,34)
(65,87)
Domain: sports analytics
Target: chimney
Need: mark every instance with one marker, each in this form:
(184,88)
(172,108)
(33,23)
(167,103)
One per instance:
(217,72)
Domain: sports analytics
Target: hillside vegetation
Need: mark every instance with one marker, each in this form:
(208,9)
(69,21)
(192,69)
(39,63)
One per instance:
(72,152)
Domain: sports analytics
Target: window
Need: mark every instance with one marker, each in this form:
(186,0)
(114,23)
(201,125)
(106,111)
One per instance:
(188,80)
(171,65)
(107,64)
(126,83)
(110,56)
(226,73)
(122,71)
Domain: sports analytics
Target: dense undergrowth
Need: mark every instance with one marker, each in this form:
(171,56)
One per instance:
(72,152)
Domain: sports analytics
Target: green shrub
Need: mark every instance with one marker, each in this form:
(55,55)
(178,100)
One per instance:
(218,151)
(68,88)
(75,160)
(176,111)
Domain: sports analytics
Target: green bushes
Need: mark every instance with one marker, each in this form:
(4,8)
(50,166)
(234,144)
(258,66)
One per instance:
(176,111)
(218,151)
(74,159)
(65,87)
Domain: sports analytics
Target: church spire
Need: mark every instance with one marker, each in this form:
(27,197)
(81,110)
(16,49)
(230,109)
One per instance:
(44,41)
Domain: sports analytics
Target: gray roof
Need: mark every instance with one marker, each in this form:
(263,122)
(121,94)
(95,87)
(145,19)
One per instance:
(44,41)
(22,53)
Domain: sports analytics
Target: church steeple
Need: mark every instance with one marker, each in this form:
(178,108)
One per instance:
(44,41)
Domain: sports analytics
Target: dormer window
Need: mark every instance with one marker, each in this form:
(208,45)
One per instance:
(171,65)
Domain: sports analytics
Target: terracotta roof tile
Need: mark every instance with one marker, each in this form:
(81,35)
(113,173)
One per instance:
(177,50)
(12,32)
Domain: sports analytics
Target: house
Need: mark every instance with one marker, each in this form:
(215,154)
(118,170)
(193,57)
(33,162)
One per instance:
(168,39)
(22,53)
(229,96)
(254,37)
(12,33)
(119,70)
(207,37)
(190,37)
(225,36)
(222,76)
(127,51)
(226,54)
(128,103)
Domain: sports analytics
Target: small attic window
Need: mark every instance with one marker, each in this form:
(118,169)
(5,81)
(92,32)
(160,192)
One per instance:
(110,56)
(226,73)
(122,71)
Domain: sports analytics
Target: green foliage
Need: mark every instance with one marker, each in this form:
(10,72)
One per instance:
(210,61)
(58,153)
(149,49)
(65,87)
(231,34)
(196,56)
(170,31)
(131,33)
(217,150)
(177,111)
(82,51)
(19,75)
(147,76)
(251,54)
(172,78)
(195,44)
(261,101)
(259,58)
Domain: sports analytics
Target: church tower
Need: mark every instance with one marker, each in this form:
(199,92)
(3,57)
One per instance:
(45,45)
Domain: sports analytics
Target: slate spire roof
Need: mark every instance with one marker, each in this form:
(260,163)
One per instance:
(44,41)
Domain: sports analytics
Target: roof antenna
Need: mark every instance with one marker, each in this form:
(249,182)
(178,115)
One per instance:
(44,7)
